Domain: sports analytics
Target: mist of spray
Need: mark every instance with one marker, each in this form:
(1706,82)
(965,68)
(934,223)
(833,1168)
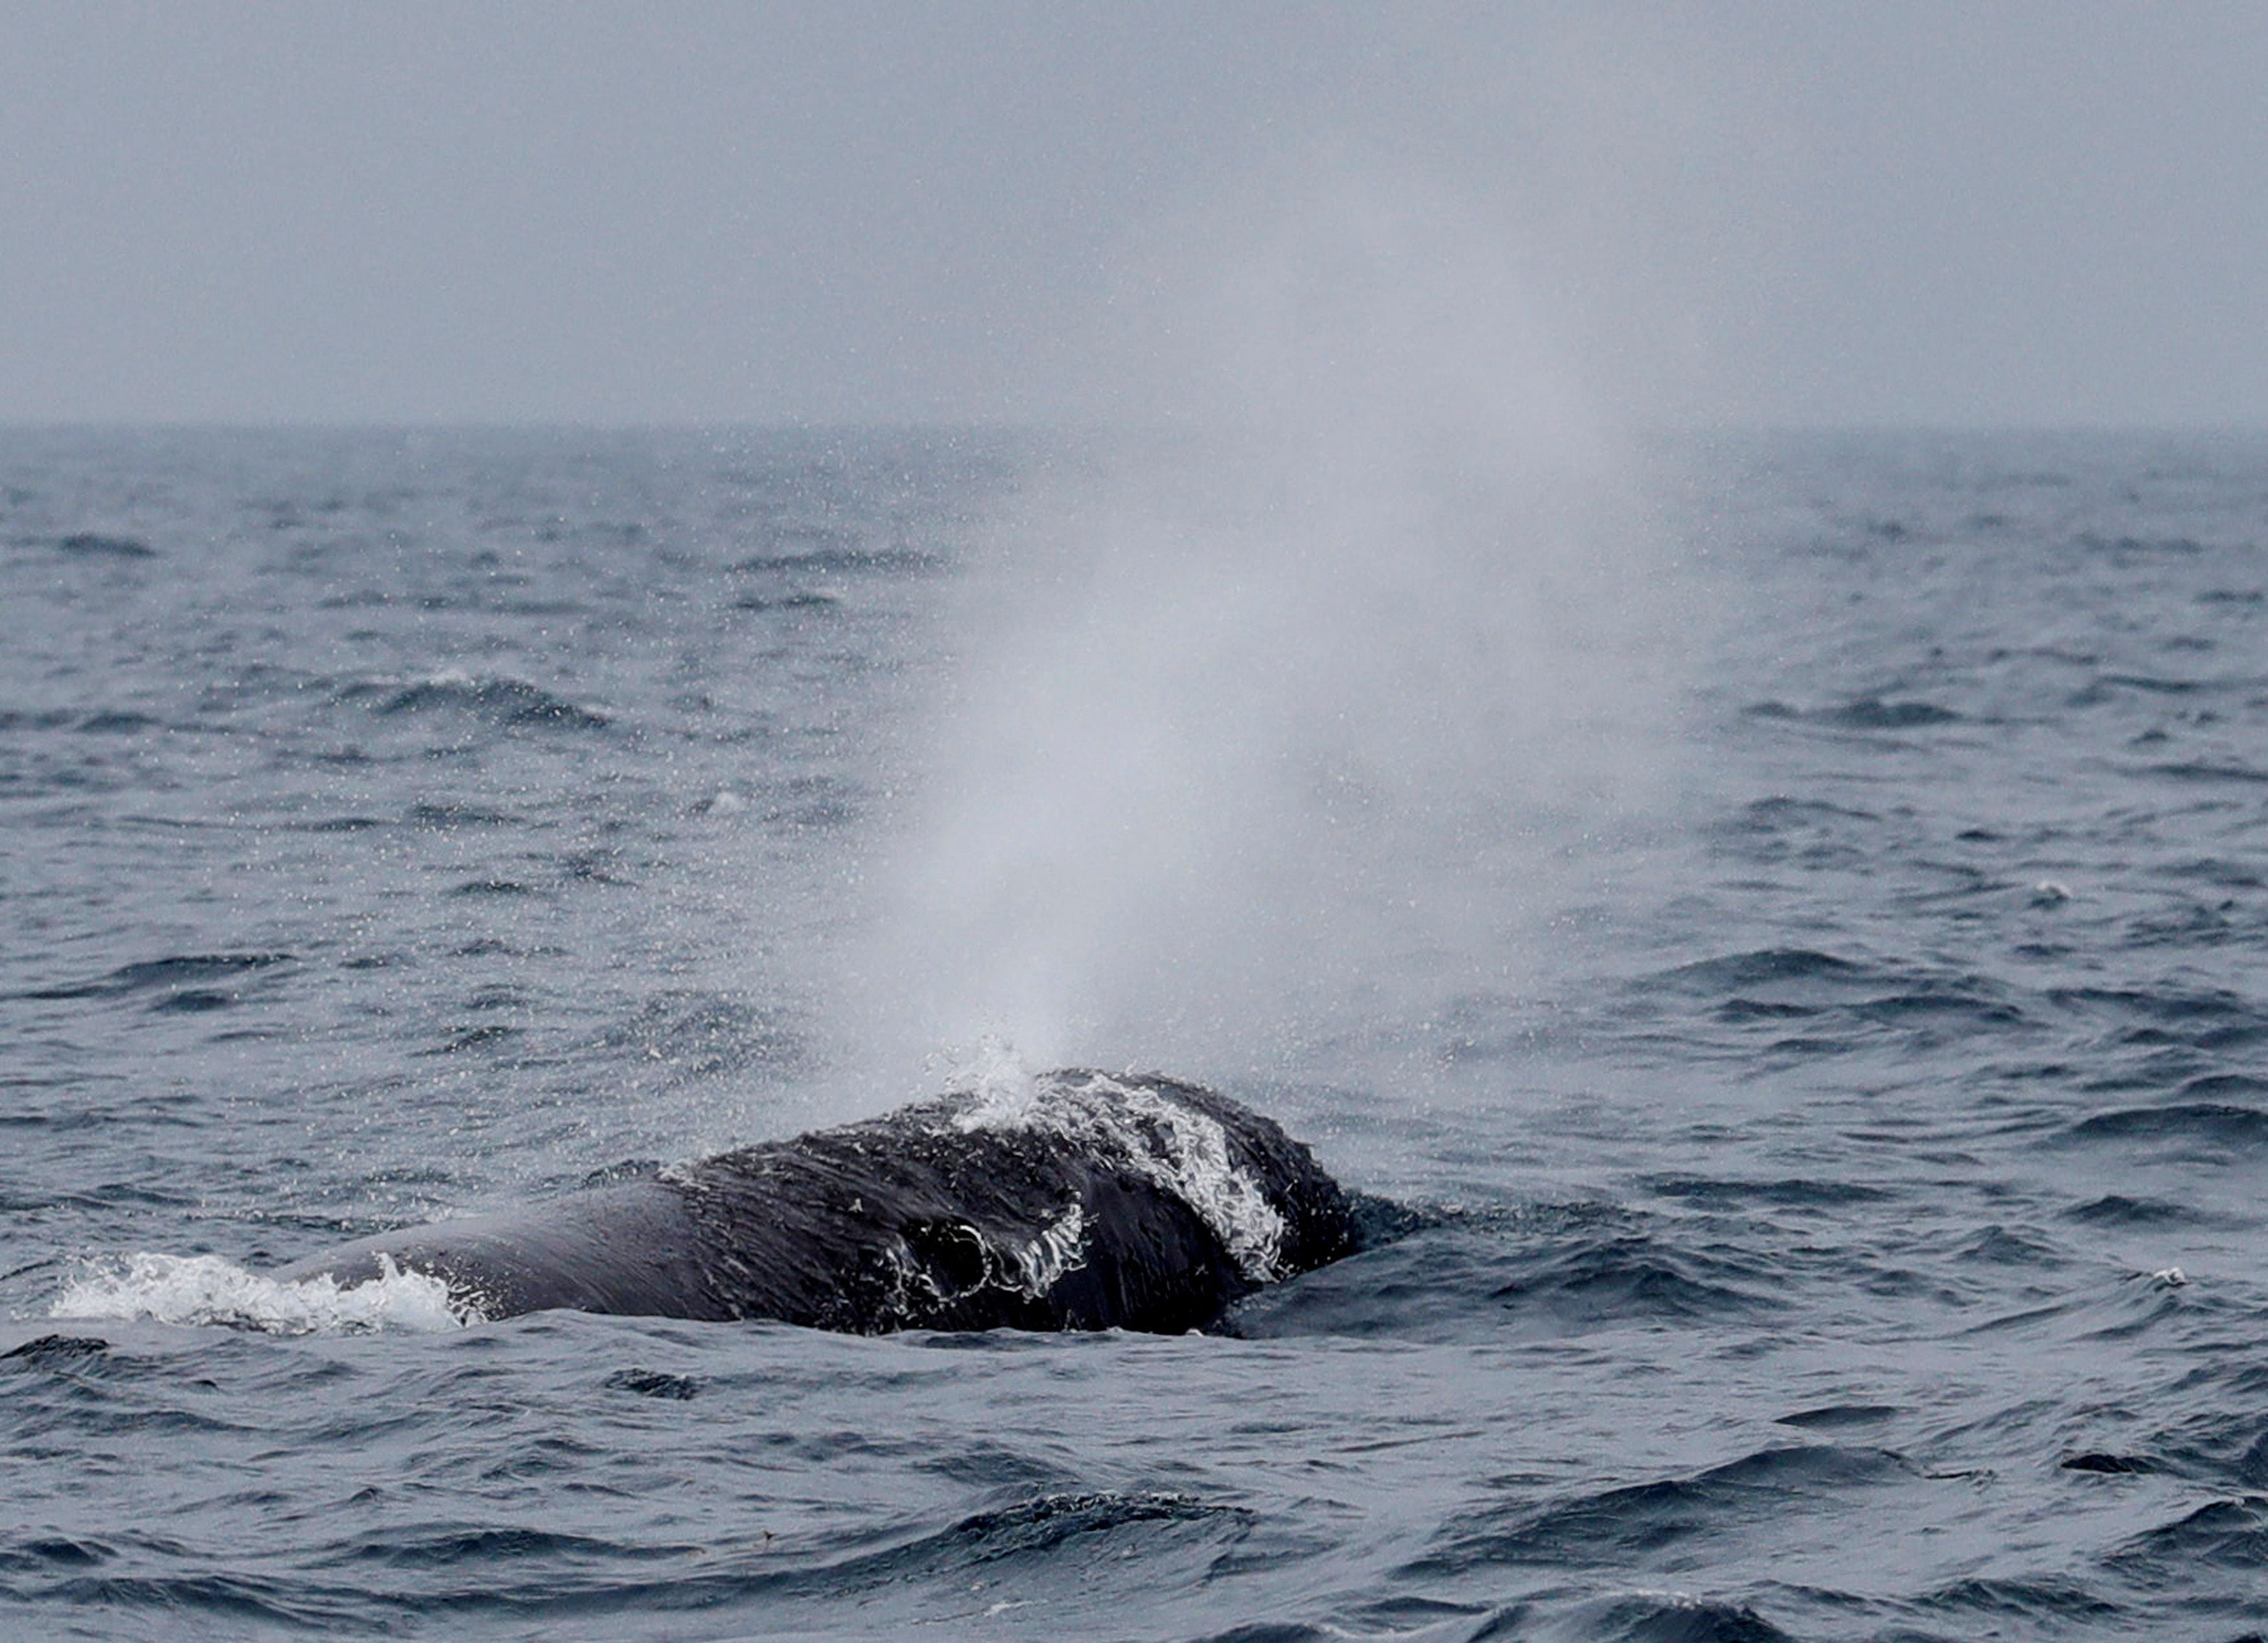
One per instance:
(1279,724)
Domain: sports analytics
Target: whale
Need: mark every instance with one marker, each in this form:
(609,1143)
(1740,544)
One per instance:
(1075,1199)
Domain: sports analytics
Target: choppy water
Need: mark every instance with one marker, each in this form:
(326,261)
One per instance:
(1856,1228)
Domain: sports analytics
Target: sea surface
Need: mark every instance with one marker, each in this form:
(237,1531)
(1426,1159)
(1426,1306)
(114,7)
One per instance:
(1841,1219)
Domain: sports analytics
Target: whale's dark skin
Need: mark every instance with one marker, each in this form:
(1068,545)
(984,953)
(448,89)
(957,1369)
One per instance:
(1110,1209)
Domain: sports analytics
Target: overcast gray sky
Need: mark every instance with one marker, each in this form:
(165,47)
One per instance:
(1949,213)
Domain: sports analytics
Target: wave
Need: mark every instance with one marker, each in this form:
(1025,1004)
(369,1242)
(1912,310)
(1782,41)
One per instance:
(49,1351)
(95,545)
(658,1384)
(436,816)
(2221,1442)
(2207,1019)
(1873,713)
(188,1600)
(1050,1521)
(2105,1464)
(1834,1417)
(443,1546)
(118,723)
(432,1569)
(843,558)
(1420,1276)
(1862,714)
(1789,1192)
(498,698)
(802,600)
(1970,1002)
(2047,1602)
(2117,1209)
(2227,1534)
(2129,546)
(1765,965)
(2221,1123)
(1662,1618)
(1773,985)
(2106,687)
(175,975)
(1781,814)
(1635,1277)
(1629,1523)
(2221,771)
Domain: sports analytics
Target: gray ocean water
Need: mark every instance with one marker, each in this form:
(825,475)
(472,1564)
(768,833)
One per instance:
(1845,1216)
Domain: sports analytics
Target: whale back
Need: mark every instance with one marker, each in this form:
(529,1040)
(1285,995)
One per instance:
(1079,1200)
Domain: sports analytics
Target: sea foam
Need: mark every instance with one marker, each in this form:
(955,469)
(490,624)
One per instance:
(204,1289)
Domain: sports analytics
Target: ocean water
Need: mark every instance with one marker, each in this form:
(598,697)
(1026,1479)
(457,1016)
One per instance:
(1842,1213)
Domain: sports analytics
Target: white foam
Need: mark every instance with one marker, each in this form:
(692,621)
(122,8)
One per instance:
(1061,1248)
(204,1289)
(1177,1148)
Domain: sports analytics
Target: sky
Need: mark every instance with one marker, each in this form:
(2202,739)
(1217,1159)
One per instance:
(1944,214)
